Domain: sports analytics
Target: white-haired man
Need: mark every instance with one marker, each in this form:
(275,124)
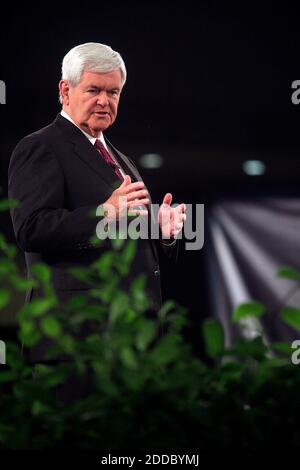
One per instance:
(63,172)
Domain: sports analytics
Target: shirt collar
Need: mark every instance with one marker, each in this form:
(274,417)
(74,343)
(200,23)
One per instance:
(88,136)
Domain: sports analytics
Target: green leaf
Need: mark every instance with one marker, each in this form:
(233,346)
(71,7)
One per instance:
(104,295)
(77,302)
(117,243)
(52,376)
(28,332)
(27,326)
(213,335)
(249,309)
(95,241)
(282,347)
(4,297)
(38,307)
(166,308)
(82,274)
(177,321)
(138,284)
(68,344)
(129,251)
(140,300)
(124,261)
(254,348)
(167,350)
(7,204)
(22,284)
(118,306)
(88,312)
(38,408)
(10,250)
(289,273)
(128,358)
(8,375)
(278,362)
(291,316)
(231,371)
(104,264)
(42,369)
(7,266)
(42,272)
(51,327)
(145,335)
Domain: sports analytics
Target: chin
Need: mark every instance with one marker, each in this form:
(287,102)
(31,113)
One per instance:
(101,126)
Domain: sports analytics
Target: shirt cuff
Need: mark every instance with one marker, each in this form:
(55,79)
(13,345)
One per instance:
(163,241)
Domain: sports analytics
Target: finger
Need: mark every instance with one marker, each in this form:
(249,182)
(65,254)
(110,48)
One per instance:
(137,212)
(126,182)
(167,199)
(179,214)
(179,226)
(138,202)
(176,231)
(137,194)
(137,185)
(181,208)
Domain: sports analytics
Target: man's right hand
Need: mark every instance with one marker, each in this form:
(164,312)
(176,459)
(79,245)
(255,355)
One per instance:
(124,199)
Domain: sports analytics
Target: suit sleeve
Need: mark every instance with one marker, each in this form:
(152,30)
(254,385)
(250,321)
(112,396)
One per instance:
(41,223)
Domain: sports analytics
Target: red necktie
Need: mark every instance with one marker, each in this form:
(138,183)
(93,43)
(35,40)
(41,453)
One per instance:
(108,158)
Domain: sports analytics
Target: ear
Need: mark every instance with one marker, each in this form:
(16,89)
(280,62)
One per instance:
(64,89)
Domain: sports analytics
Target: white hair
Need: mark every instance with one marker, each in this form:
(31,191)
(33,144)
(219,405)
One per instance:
(92,57)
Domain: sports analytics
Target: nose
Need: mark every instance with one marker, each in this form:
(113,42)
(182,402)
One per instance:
(102,98)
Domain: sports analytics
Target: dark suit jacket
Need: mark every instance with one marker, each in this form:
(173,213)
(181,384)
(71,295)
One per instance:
(59,178)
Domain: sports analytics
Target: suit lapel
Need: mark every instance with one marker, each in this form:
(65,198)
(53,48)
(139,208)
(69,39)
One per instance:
(125,163)
(86,152)
(91,157)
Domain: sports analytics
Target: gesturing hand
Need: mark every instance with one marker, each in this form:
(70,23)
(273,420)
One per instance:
(171,219)
(125,198)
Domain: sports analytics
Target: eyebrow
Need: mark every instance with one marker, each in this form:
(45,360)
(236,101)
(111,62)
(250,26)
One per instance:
(99,88)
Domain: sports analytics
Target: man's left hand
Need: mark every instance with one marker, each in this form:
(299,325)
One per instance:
(171,219)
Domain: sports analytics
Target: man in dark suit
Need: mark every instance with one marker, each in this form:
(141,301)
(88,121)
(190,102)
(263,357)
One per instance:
(63,172)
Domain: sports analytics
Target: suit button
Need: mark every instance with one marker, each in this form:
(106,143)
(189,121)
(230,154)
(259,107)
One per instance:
(156,272)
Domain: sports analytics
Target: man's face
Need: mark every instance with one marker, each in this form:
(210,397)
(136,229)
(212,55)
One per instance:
(93,103)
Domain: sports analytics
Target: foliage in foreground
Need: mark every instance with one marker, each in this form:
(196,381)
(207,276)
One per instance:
(149,389)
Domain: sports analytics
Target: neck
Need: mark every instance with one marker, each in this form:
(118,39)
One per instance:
(92,132)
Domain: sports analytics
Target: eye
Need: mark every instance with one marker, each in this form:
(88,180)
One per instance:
(92,90)
(114,92)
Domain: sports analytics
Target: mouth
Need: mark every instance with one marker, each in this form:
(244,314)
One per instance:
(101,113)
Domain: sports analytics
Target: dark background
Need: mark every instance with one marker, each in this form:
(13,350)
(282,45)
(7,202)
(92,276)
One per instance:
(209,86)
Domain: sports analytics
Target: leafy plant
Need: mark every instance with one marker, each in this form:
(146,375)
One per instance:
(147,388)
